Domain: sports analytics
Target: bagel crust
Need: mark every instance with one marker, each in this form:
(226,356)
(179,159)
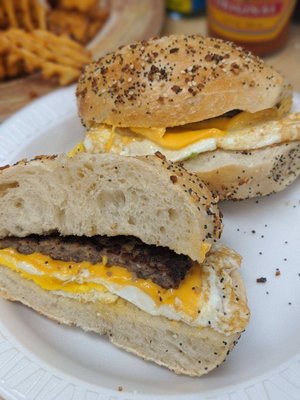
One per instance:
(175,80)
(239,175)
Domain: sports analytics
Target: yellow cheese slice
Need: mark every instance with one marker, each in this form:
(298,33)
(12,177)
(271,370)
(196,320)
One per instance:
(60,275)
(179,140)
(179,137)
(79,148)
(182,136)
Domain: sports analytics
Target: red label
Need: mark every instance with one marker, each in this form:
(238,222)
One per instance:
(243,8)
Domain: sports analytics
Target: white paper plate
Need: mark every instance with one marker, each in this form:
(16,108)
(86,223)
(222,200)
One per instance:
(42,360)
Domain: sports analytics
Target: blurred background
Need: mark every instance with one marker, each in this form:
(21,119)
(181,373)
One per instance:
(45,43)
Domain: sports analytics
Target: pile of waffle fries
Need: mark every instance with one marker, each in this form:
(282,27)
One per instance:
(49,38)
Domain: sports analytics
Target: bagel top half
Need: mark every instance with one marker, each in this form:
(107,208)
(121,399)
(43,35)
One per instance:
(176,80)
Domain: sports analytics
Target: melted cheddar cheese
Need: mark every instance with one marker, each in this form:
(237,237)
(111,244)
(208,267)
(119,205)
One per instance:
(204,249)
(79,148)
(177,139)
(81,277)
(182,136)
(245,131)
(168,138)
(205,298)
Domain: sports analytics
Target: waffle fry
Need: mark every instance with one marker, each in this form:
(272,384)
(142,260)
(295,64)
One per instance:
(9,12)
(97,21)
(83,6)
(55,57)
(25,14)
(3,19)
(10,66)
(36,36)
(76,25)
(71,23)
(2,68)
(40,13)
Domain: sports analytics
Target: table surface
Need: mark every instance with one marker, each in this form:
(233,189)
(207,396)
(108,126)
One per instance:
(287,61)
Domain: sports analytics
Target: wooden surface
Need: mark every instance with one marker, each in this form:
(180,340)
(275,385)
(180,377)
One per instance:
(129,21)
(286,61)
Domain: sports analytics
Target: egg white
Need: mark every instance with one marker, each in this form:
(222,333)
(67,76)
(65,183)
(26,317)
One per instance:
(215,312)
(95,142)
(250,137)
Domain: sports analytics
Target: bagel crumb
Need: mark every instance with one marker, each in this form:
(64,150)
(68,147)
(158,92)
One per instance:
(261,280)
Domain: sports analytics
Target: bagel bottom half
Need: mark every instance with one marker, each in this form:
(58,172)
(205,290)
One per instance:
(180,347)
(239,175)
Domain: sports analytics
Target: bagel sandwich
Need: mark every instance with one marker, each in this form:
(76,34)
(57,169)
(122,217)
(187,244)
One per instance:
(209,104)
(126,247)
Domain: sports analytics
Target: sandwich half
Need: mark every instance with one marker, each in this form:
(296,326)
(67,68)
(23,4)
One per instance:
(125,247)
(203,102)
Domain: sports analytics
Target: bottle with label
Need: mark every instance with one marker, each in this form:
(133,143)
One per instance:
(261,26)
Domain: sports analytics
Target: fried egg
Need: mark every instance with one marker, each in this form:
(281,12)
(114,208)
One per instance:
(205,298)
(245,131)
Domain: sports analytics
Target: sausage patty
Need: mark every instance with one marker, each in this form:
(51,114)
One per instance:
(159,264)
